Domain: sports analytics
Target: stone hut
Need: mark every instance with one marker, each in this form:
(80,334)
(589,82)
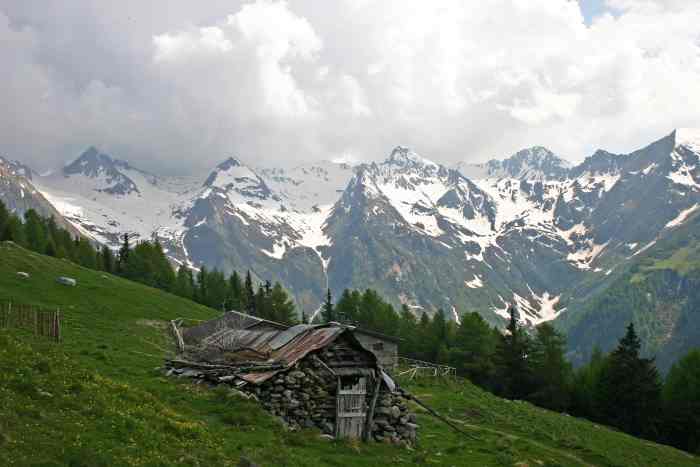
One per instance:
(308,375)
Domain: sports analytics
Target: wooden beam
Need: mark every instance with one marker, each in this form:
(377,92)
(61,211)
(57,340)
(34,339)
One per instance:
(178,337)
(370,414)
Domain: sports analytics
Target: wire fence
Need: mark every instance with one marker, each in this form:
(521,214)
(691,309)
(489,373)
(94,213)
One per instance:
(411,368)
(46,323)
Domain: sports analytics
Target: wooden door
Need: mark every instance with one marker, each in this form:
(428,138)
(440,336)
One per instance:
(351,406)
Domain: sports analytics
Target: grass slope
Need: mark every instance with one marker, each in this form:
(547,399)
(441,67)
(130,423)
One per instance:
(97,398)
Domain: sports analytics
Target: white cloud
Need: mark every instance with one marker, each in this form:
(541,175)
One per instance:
(276,82)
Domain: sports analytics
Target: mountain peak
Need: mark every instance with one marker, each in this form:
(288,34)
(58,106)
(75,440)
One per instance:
(536,162)
(404,156)
(229,163)
(95,164)
(91,163)
(232,175)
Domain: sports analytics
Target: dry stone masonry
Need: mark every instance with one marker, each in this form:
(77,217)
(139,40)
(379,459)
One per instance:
(310,377)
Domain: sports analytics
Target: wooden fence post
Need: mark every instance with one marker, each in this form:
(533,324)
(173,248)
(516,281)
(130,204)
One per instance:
(40,322)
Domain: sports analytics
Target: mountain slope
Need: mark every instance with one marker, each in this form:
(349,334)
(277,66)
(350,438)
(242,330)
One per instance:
(95,399)
(658,291)
(528,229)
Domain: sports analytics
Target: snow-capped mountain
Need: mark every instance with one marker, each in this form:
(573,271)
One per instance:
(529,228)
(107,197)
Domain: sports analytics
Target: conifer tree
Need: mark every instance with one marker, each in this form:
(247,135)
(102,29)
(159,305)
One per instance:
(235,291)
(50,248)
(407,331)
(585,385)
(124,253)
(681,397)
(107,258)
(217,289)
(424,339)
(438,337)
(629,391)
(164,272)
(4,217)
(53,231)
(475,344)
(183,282)
(347,308)
(86,254)
(551,371)
(512,370)
(259,299)
(249,295)
(328,312)
(282,306)
(34,231)
(64,244)
(14,231)
(201,294)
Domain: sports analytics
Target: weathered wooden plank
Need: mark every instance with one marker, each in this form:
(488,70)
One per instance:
(372,406)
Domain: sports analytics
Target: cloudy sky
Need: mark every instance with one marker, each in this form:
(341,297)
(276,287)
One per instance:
(177,85)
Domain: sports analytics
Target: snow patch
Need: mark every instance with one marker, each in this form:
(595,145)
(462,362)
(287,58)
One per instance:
(583,258)
(547,308)
(649,168)
(278,250)
(475,283)
(455,315)
(681,217)
(688,137)
(682,176)
(645,247)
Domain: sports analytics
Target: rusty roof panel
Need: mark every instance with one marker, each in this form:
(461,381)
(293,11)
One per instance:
(308,340)
(283,347)
(305,343)
(283,338)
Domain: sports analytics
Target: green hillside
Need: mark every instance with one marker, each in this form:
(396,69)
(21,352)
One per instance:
(98,399)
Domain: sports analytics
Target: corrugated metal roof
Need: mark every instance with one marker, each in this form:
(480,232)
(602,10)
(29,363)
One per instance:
(303,342)
(236,337)
(313,339)
(284,337)
(291,347)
